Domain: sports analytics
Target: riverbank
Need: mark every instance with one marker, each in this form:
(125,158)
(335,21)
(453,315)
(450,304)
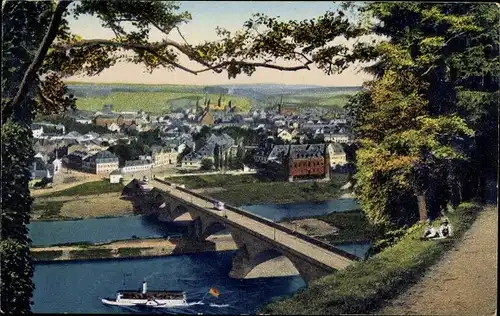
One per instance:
(131,249)
(75,207)
(250,189)
(364,286)
(335,228)
(101,199)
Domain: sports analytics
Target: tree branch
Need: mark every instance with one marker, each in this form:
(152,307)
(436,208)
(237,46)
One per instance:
(41,94)
(182,36)
(444,44)
(261,65)
(153,47)
(49,37)
(147,48)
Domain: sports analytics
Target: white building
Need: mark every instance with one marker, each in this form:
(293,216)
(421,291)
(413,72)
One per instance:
(115,176)
(136,166)
(57,163)
(84,121)
(113,127)
(338,121)
(337,138)
(37,130)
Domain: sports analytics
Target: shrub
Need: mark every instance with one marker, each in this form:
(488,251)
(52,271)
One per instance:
(131,252)
(48,210)
(207,164)
(91,254)
(46,255)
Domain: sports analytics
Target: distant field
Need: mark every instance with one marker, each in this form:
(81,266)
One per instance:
(317,100)
(154,102)
(163,98)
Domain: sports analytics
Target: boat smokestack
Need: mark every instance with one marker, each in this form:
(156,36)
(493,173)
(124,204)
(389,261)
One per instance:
(144,287)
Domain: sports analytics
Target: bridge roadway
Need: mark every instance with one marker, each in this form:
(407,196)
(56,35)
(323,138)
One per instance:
(331,259)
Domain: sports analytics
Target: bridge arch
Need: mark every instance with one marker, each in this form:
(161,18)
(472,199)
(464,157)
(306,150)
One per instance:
(270,263)
(213,228)
(179,210)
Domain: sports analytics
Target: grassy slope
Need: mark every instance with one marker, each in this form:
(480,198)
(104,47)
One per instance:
(353,227)
(363,287)
(48,209)
(89,188)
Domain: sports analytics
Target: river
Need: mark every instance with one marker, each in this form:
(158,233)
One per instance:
(99,230)
(279,212)
(76,287)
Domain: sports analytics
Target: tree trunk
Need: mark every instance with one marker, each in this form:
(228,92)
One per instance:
(30,73)
(422,206)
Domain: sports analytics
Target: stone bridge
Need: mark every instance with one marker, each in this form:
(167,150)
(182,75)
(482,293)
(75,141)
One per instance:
(257,238)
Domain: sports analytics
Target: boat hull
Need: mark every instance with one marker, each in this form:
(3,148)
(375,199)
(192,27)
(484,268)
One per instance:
(145,303)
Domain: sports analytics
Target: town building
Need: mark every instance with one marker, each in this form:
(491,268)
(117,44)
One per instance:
(119,119)
(295,162)
(55,166)
(136,166)
(113,127)
(207,119)
(308,162)
(337,138)
(74,160)
(39,169)
(103,162)
(337,155)
(163,156)
(115,176)
(285,136)
(84,120)
(37,130)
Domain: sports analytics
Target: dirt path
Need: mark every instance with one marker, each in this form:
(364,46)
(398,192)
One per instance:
(464,282)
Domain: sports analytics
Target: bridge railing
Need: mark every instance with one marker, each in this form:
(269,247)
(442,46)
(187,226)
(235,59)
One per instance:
(268,222)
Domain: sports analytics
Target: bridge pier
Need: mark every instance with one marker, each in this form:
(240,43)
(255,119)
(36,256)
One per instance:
(253,252)
(241,264)
(244,263)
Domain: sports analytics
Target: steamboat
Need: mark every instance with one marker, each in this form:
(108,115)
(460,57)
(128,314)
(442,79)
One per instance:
(145,298)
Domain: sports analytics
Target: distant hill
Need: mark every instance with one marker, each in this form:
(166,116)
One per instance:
(160,98)
(216,90)
(260,91)
(248,93)
(254,91)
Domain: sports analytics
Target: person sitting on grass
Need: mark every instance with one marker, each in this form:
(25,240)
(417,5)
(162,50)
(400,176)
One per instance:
(429,232)
(445,229)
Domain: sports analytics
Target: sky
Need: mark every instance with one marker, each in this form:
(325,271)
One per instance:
(206,16)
